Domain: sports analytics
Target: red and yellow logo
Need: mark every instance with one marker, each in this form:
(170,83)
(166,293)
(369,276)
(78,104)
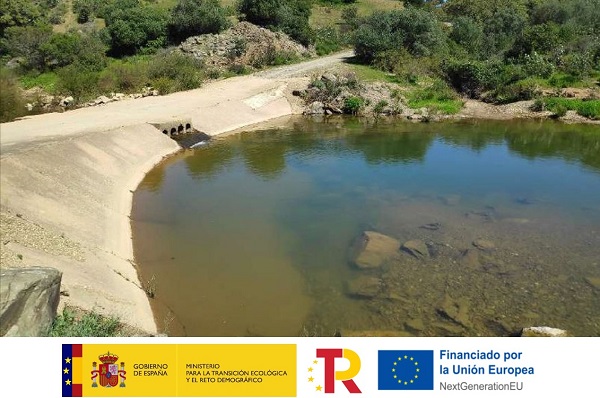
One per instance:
(331,360)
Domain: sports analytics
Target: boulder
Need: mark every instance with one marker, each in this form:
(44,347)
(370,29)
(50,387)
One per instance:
(416,248)
(66,101)
(543,331)
(316,108)
(374,249)
(364,286)
(28,300)
(102,100)
(470,258)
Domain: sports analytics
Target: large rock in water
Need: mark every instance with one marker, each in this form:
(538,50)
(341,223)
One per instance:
(543,331)
(374,249)
(416,248)
(364,286)
(28,300)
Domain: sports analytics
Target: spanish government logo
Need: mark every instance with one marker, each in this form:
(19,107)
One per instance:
(324,372)
(405,370)
(108,373)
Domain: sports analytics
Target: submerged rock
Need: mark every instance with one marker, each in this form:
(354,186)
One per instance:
(415,324)
(374,249)
(432,226)
(364,286)
(484,245)
(470,258)
(543,331)
(593,281)
(416,248)
(456,311)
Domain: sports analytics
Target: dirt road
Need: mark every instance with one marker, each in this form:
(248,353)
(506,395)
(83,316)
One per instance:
(215,108)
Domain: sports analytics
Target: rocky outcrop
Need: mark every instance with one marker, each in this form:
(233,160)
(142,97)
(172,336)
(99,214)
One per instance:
(243,44)
(364,286)
(374,249)
(28,300)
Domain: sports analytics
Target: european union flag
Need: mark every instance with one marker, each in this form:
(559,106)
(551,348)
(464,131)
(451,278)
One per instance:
(405,370)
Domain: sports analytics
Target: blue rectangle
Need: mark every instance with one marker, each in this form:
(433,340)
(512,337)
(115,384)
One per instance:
(67,370)
(405,370)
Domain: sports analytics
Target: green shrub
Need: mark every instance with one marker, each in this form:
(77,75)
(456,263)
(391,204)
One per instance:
(472,77)
(87,10)
(184,72)
(196,17)
(78,82)
(414,29)
(353,105)
(289,16)
(380,106)
(523,90)
(12,102)
(560,110)
(26,42)
(127,77)
(535,64)
(134,27)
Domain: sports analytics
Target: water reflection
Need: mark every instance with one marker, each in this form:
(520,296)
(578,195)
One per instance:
(265,152)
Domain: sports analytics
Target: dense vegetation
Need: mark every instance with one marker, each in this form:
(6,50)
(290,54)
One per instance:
(496,50)
(499,51)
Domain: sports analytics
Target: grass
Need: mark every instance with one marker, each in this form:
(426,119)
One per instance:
(436,96)
(86,324)
(370,74)
(46,80)
(585,108)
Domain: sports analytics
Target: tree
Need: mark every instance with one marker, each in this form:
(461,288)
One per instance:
(26,42)
(63,49)
(289,16)
(134,27)
(196,17)
(18,13)
(469,34)
(416,30)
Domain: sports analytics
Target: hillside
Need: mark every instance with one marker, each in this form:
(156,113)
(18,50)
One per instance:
(61,54)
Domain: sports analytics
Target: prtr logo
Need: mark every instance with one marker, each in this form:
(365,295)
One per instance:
(329,356)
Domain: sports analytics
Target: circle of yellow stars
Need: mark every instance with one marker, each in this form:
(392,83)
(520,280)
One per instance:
(311,379)
(409,380)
